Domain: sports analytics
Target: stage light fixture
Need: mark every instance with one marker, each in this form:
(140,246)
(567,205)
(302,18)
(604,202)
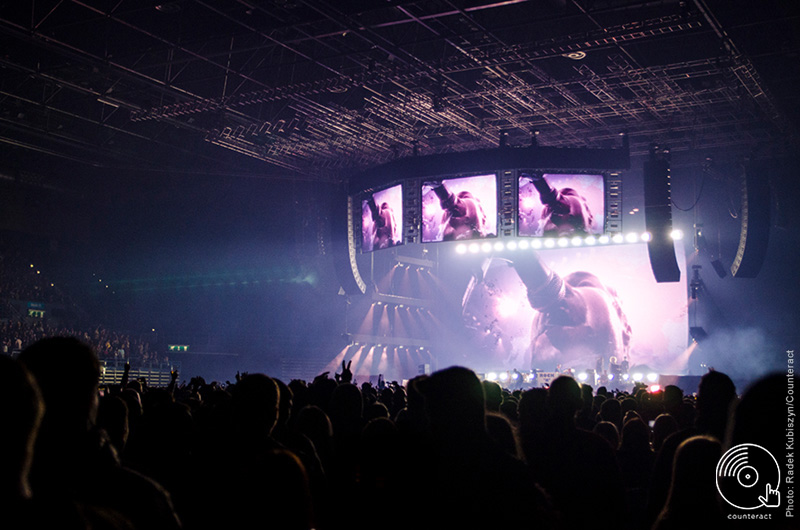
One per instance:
(461,248)
(474,248)
(512,245)
(652,377)
(503,376)
(698,333)
(590,240)
(626,376)
(618,238)
(486,247)
(676,234)
(563,242)
(654,388)
(646,236)
(499,246)
(583,376)
(577,241)
(604,239)
(524,244)
(719,268)
(638,376)
(536,244)
(491,376)
(632,237)
(549,243)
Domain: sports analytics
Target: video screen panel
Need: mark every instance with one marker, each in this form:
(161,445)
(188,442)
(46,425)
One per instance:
(382,219)
(560,205)
(612,307)
(459,209)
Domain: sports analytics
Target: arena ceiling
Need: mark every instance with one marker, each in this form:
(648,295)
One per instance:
(319,89)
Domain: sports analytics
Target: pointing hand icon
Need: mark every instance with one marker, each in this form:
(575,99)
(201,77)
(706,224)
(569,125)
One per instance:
(771,499)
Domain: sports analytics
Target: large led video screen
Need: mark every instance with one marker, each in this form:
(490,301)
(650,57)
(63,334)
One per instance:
(566,308)
(382,219)
(560,205)
(459,209)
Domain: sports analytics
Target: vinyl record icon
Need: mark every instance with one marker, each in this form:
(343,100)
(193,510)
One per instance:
(744,472)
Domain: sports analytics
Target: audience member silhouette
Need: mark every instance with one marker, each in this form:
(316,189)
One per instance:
(587,416)
(21,411)
(313,423)
(609,432)
(476,483)
(636,460)
(494,395)
(611,410)
(663,426)
(296,441)
(112,417)
(503,433)
(564,452)
(73,459)
(692,498)
(379,464)
(244,477)
(716,393)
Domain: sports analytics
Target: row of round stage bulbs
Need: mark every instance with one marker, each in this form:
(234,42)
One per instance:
(562,242)
(636,377)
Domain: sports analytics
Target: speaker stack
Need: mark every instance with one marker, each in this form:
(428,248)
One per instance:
(658,220)
(755,219)
(344,247)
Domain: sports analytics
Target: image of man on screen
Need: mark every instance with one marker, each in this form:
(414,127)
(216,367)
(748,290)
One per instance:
(463,216)
(384,227)
(576,320)
(565,212)
(578,317)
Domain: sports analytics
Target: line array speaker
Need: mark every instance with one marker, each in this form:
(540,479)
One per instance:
(344,247)
(658,221)
(755,219)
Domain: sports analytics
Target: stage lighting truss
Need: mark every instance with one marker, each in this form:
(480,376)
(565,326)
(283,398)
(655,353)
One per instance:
(515,245)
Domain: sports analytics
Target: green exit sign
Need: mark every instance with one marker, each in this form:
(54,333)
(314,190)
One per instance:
(178,347)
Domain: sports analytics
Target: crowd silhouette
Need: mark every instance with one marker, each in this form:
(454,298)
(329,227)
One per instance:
(445,451)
